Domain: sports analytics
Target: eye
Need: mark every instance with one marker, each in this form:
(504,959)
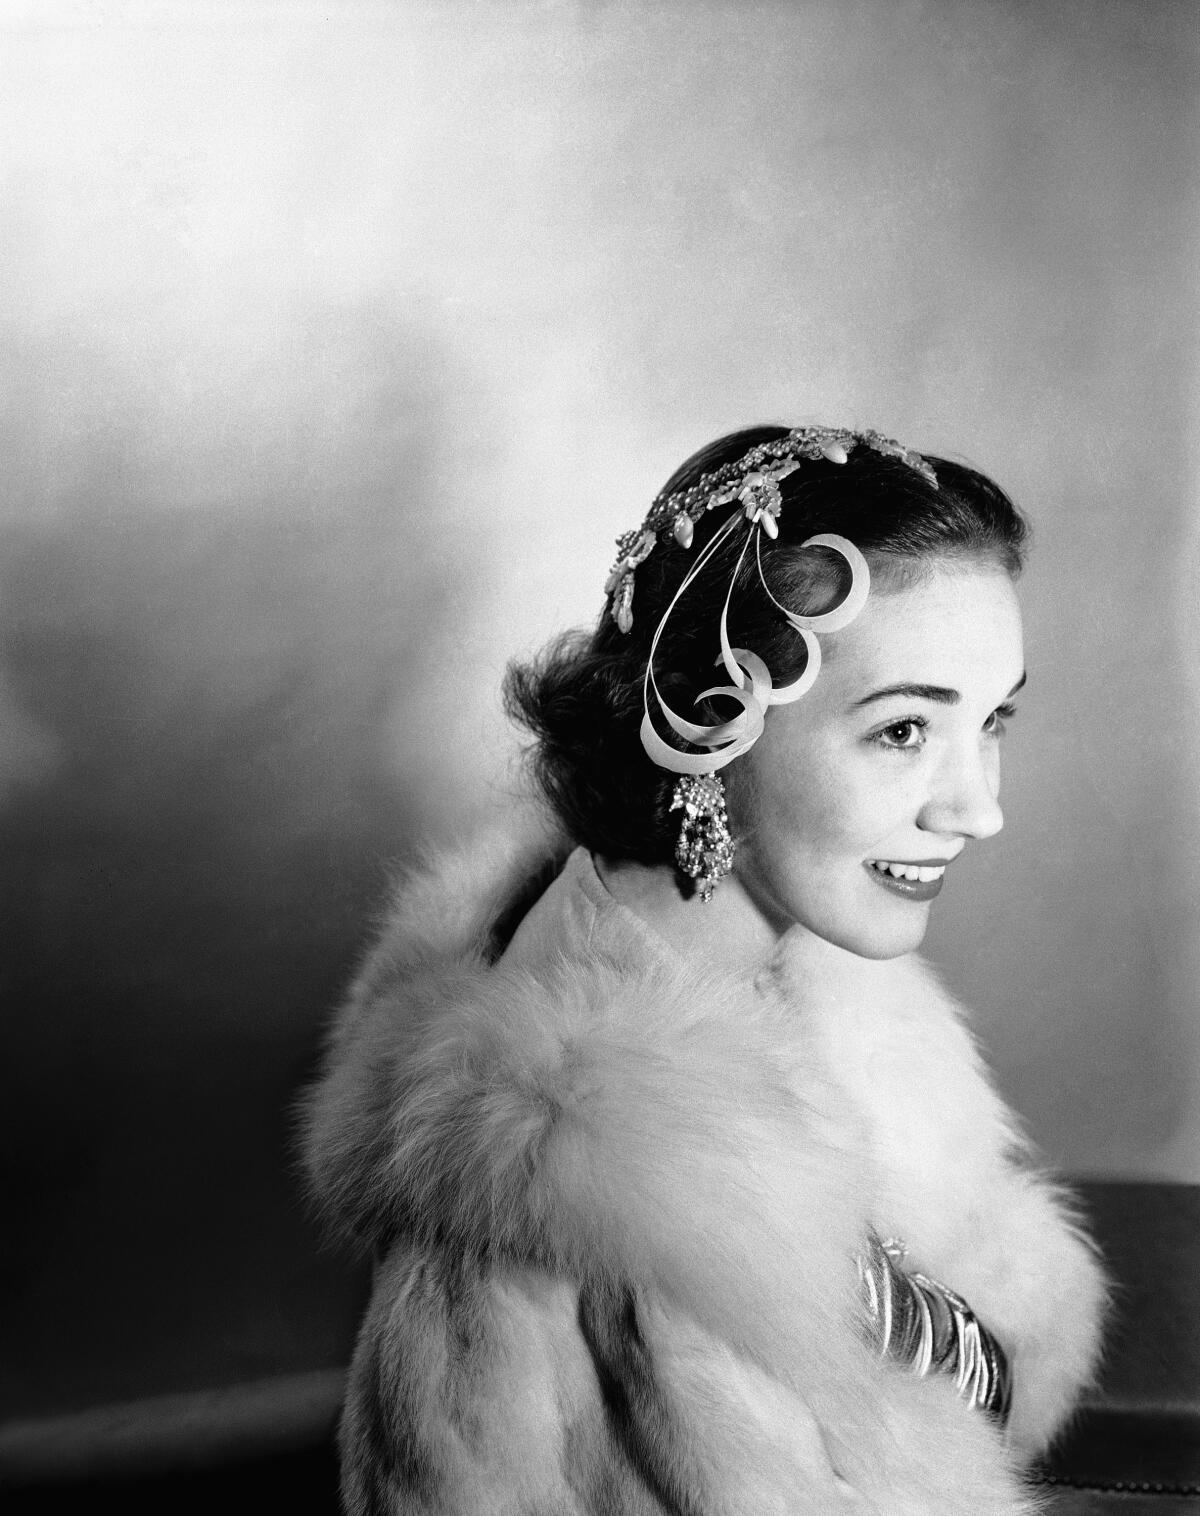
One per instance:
(996,723)
(903,735)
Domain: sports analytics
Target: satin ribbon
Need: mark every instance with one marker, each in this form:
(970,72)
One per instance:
(751,685)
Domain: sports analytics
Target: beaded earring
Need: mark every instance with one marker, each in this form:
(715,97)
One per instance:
(704,851)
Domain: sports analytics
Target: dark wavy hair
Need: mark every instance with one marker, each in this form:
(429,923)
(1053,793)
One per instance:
(581,698)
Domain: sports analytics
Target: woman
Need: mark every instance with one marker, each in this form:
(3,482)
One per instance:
(686,1186)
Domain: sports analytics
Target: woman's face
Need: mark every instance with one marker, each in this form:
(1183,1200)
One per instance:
(855,799)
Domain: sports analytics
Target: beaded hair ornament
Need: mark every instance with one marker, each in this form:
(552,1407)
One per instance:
(753,484)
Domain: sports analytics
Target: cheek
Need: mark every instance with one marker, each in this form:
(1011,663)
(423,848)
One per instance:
(815,808)
(864,814)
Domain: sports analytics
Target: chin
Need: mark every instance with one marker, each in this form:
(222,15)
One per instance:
(877,941)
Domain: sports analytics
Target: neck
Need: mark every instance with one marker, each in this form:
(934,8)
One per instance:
(733,933)
(728,932)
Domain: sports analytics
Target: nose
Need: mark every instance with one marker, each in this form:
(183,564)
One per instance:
(963,800)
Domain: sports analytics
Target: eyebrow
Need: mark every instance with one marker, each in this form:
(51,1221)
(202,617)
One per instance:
(940,694)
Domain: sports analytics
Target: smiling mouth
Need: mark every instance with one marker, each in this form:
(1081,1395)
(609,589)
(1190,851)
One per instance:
(913,881)
(925,872)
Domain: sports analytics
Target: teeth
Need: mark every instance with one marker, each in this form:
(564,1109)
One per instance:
(925,873)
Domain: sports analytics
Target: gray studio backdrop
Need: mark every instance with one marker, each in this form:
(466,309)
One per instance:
(339,342)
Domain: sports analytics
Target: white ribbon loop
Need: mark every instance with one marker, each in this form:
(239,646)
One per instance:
(842,614)
(752,687)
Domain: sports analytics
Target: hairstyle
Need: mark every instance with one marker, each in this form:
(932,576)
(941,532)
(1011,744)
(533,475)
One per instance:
(581,697)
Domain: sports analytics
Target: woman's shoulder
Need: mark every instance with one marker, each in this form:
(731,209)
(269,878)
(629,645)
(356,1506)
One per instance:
(583,1050)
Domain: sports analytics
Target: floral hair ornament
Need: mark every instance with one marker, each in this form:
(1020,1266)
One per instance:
(753,483)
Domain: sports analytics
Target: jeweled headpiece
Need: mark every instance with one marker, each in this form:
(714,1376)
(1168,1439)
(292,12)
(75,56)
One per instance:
(753,483)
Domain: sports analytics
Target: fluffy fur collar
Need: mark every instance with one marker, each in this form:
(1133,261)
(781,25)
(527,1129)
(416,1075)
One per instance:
(719,1151)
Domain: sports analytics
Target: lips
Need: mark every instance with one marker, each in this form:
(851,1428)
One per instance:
(913,879)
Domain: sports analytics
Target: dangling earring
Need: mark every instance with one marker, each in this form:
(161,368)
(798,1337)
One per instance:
(704,851)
